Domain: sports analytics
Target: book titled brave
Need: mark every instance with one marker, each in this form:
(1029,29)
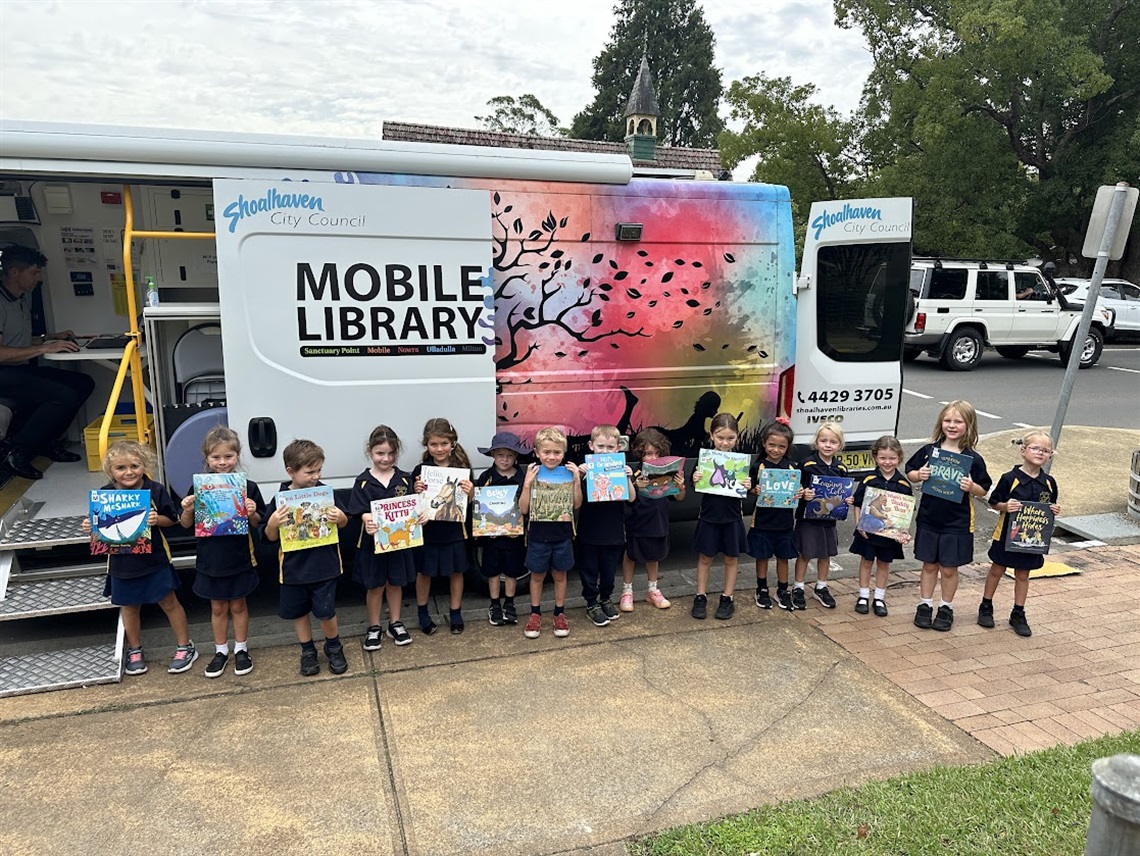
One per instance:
(605,477)
(831,493)
(497,512)
(119,521)
(721,473)
(552,496)
(308,521)
(659,472)
(947,469)
(1030,528)
(886,513)
(397,523)
(443,499)
(777,488)
(219,504)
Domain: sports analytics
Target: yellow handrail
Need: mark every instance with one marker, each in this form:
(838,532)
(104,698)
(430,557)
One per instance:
(129,352)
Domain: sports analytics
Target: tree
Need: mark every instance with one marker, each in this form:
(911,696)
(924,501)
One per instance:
(678,42)
(522,115)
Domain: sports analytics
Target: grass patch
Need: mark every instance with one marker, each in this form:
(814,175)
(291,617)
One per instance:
(1028,805)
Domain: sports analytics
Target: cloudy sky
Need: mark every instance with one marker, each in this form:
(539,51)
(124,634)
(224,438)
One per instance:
(341,67)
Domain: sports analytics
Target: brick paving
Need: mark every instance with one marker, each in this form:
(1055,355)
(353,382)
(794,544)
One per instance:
(1076,678)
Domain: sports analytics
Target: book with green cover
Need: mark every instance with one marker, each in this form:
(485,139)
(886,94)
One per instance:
(552,496)
(721,473)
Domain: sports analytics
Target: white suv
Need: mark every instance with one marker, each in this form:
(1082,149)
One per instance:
(960,306)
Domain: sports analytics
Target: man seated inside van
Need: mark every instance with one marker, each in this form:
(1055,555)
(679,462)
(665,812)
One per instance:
(44,401)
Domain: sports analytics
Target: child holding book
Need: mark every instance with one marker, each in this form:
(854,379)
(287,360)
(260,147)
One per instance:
(308,577)
(134,579)
(601,535)
(504,556)
(647,525)
(550,547)
(874,549)
(383,575)
(444,553)
(720,528)
(772,528)
(944,534)
(1027,482)
(226,570)
(817,539)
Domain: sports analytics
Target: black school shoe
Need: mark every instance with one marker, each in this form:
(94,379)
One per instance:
(725,608)
(763,599)
(399,633)
(338,663)
(799,599)
(944,620)
(309,664)
(863,606)
(880,608)
(700,609)
(923,616)
(1019,624)
(986,614)
(823,595)
(784,599)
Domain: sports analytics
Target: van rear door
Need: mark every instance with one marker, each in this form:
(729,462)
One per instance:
(852,298)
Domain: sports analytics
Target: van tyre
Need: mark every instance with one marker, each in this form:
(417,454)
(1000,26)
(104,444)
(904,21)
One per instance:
(962,351)
(1094,345)
(1012,352)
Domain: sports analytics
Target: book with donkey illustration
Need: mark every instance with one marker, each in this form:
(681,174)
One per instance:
(721,473)
(443,499)
(308,518)
(397,523)
(497,512)
(886,513)
(119,521)
(219,504)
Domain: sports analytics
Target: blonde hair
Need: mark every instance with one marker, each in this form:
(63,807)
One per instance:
(550,435)
(130,449)
(969,416)
(609,432)
(834,428)
(1035,434)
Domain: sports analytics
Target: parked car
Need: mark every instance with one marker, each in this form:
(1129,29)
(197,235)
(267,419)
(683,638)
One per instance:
(1119,296)
(962,305)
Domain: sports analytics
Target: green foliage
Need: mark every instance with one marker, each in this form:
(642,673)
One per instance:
(522,115)
(679,45)
(1031,805)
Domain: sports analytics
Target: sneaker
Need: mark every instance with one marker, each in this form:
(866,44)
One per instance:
(373,637)
(880,608)
(923,616)
(610,610)
(725,608)
(784,599)
(595,614)
(944,620)
(399,633)
(338,664)
(700,609)
(510,614)
(823,595)
(561,625)
(986,614)
(456,626)
(495,614)
(136,662)
(184,657)
(1019,624)
(763,599)
(799,599)
(429,628)
(217,665)
(533,626)
(243,663)
(626,602)
(309,664)
(862,606)
(654,597)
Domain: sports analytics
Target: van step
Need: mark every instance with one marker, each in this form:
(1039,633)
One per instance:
(59,670)
(39,532)
(54,597)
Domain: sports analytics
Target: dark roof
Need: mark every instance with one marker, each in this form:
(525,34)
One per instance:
(668,157)
(643,98)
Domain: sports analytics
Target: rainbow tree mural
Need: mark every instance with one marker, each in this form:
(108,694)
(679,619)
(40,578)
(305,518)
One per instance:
(696,318)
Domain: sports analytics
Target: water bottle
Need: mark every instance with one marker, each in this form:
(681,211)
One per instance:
(151,292)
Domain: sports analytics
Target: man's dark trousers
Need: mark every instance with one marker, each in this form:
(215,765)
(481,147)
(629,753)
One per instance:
(46,401)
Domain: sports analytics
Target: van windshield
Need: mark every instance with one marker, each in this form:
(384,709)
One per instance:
(861,308)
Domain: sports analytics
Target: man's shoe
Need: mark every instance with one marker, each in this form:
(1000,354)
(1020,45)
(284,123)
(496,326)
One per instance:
(338,663)
(309,663)
(923,616)
(880,608)
(20,463)
(725,608)
(61,455)
(217,665)
(944,620)
(243,663)
(399,633)
(986,614)
(700,609)
(763,599)
(373,638)
(823,595)
(1019,624)
(862,606)
(799,599)
(784,599)
(595,614)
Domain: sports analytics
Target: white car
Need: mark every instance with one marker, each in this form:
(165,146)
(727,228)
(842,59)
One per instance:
(1122,298)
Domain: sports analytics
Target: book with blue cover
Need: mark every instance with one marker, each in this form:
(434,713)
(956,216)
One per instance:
(947,469)
(777,488)
(119,521)
(721,473)
(831,494)
(606,480)
(219,504)
(309,520)
(496,512)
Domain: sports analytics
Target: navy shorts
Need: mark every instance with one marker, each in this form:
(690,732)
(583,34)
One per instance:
(945,549)
(299,599)
(728,539)
(504,557)
(1018,561)
(875,547)
(769,543)
(232,587)
(543,556)
(139,590)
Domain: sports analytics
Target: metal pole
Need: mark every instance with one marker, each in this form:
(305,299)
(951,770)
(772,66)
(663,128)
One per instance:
(1078,341)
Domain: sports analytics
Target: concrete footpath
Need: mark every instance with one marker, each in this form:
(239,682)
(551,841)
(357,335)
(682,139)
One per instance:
(490,743)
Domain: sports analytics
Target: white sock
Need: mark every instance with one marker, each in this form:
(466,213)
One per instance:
(241,646)
(652,586)
(800,586)
(627,588)
(928,601)
(880,594)
(865,593)
(223,648)
(820,584)
(946,604)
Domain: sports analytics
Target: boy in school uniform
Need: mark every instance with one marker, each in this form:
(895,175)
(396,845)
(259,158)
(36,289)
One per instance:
(503,556)
(308,577)
(601,536)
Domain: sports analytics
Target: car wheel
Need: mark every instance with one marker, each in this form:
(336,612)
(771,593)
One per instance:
(1012,352)
(909,355)
(1090,353)
(962,351)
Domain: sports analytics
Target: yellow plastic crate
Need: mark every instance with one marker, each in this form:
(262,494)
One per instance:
(123,427)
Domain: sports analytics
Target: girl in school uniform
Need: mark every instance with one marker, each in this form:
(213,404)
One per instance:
(874,549)
(817,539)
(383,575)
(647,523)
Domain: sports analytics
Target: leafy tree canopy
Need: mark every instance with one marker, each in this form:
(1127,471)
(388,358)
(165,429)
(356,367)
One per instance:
(522,115)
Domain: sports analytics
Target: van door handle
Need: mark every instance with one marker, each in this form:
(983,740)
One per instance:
(262,437)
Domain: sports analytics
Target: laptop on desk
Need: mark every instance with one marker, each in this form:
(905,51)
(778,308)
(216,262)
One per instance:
(109,342)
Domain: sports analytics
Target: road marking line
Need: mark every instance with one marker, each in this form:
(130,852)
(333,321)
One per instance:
(917,394)
(916,440)
(1023,425)
(1119,369)
(983,413)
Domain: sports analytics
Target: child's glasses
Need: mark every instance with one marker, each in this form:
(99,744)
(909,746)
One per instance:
(1040,450)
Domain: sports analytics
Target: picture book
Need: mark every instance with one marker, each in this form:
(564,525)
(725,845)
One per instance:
(497,512)
(722,473)
(552,496)
(886,513)
(119,521)
(947,469)
(397,523)
(443,499)
(1030,528)
(219,504)
(659,473)
(777,487)
(830,501)
(307,523)
(606,480)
